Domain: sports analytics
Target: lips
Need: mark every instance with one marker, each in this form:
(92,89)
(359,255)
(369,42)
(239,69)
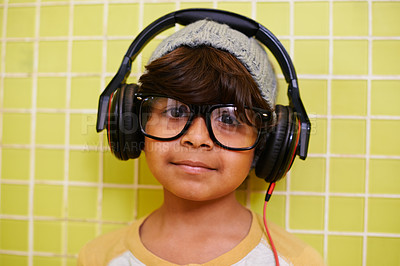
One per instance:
(195,166)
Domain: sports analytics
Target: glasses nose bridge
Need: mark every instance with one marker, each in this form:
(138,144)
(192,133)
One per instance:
(202,111)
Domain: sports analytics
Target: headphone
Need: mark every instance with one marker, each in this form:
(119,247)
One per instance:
(289,137)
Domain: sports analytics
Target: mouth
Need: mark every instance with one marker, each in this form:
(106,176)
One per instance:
(193,166)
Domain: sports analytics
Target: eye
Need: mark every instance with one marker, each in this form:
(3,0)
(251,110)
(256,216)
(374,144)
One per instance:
(228,118)
(177,111)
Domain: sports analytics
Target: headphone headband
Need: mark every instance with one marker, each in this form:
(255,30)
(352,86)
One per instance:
(238,22)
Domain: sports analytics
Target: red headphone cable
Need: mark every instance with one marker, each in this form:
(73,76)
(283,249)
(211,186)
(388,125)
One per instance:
(267,197)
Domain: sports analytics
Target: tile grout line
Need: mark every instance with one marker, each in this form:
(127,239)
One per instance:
(328,131)
(367,137)
(64,225)
(32,151)
(100,137)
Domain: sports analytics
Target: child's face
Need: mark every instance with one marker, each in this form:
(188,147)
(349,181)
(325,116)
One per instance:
(193,167)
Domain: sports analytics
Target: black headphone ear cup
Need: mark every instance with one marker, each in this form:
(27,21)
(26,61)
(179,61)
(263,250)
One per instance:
(130,135)
(123,131)
(277,156)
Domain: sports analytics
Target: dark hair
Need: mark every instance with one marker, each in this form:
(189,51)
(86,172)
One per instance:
(202,75)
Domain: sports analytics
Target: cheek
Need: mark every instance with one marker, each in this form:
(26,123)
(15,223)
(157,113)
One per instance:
(238,163)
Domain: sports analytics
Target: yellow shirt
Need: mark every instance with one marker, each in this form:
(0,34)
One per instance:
(124,248)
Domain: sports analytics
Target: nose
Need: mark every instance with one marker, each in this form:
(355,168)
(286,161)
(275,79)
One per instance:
(197,135)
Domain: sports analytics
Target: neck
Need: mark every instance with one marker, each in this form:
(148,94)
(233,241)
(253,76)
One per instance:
(188,212)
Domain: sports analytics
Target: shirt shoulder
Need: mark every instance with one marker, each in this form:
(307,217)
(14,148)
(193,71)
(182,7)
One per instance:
(103,249)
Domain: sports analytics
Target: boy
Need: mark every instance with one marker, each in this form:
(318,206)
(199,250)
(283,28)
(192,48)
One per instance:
(206,100)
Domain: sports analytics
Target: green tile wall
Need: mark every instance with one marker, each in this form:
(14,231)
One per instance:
(60,186)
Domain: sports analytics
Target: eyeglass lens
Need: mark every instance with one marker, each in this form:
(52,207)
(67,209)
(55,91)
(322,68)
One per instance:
(165,118)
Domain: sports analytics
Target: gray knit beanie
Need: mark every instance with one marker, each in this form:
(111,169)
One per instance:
(247,50)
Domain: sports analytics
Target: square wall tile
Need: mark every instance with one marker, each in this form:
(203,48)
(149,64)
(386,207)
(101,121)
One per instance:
(50,128)
(118,204)
(106,228)
(346,214)
(47,261)
(51,92)
(240,196)
(116,50)
(6,259)
(21,1)
(385,15)
(348,136)
(84,166)
(53,56)
(148,201)
(85,24)
(82,202)
(257,184)
(49,164)
(314,96)
(17,93)
(19,57)
(384,137)
(347,175)
(48,200)
(308,175)
(145,175)
(14,235)
(85,92)
(1,17)
(384,215)
(48,236)
(311,56)
(306,212)
(198,4)
(382,177)
(83,130)
(350,57)
(116,171)
(318,136)
(314,240)
(54,15)
(281,97)
(14,199)
(349,97)
(275,209)
(20,21)
(345,250)
(350,13)
(123,19)
(152,11)
(87,56)
(275,16)
(79,233)
(383,251)
(311,18)
(15,164)
(385,57)
(243,8)
(384,97)
(16,128)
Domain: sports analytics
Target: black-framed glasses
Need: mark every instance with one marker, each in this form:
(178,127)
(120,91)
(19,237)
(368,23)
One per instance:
(166,118)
